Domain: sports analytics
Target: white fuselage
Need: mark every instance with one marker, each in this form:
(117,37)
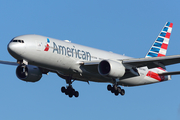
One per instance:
(64,58)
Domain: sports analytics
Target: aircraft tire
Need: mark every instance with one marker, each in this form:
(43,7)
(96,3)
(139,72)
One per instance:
(70,95)
(76,94)
(66,92)
(63,89)
(119,90)
(109,87)
(112,90)
(122,92)
(116,93)
(73,91)
(115,87)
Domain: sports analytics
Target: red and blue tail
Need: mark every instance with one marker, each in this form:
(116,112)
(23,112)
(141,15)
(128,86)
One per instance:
(159,48)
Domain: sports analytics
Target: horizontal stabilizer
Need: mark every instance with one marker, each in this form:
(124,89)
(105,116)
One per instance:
(170,73)
(153,62)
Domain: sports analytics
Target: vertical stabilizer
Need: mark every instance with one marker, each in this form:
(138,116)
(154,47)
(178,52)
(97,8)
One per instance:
(159,47)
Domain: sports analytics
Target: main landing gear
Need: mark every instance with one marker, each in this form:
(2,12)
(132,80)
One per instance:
(116,90)
(69,90)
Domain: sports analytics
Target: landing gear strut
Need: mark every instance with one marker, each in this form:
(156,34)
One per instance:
(69,90)
(116,90)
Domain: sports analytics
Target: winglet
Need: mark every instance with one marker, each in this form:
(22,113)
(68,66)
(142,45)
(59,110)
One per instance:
(159,47)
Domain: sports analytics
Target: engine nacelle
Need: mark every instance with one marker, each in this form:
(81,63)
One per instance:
(111,68)
(28,73)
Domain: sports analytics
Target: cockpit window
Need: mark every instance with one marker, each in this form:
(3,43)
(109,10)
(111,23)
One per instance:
(20,41)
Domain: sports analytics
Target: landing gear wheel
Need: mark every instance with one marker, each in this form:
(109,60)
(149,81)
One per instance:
(112,90)
(122,92)
(118,89)
(73,91)
(63,89)
(69,90)
(109,87)
(76,94)
(116,93)
(66,92)
(115,89)
(70,95)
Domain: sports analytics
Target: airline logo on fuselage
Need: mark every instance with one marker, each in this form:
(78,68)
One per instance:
(71,52)
(47,45)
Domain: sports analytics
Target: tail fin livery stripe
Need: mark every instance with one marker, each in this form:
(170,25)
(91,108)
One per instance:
(164,46)
(171,24)
(159,48)
(162,51)
(156,44)
(163,34)
(167,35)
(152,54)
(160,55)
(155,49)
(160,39)
(165,29)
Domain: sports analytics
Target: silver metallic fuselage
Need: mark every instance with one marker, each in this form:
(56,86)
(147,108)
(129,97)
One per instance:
(64,58)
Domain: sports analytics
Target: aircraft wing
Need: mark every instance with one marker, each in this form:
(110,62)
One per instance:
(152,62)
(9,63)
(44,71)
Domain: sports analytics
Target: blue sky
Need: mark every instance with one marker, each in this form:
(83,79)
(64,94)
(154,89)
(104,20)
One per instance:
(126,27)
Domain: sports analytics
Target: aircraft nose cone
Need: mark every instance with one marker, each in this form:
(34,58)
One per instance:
(11,47)
(15,49)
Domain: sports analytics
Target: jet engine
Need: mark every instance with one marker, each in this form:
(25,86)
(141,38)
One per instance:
(28,73)
(111,68)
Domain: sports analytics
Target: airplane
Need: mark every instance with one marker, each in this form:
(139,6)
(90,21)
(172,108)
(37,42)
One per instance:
(37,55)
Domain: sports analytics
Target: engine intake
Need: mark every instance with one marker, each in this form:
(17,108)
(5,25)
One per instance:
(111,68)
(28,73)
